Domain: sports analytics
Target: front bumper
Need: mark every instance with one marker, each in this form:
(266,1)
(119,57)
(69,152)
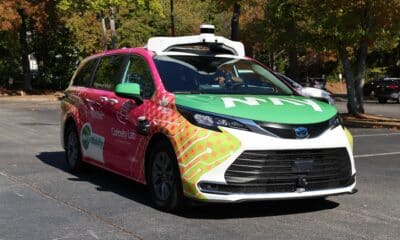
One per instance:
(332,138)
(279,196)
(388,95)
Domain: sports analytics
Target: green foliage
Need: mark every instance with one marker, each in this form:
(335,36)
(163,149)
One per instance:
(9,54)
(136,21)
(65,31)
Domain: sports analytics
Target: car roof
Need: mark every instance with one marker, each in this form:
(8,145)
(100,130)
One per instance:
(194,44)
(118,51)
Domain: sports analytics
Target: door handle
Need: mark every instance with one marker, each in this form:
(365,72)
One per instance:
(112,101)
(103,99)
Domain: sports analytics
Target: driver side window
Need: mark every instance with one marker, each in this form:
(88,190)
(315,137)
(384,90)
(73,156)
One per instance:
(138,71)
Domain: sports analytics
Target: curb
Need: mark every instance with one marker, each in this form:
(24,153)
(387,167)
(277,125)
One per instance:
(371,124)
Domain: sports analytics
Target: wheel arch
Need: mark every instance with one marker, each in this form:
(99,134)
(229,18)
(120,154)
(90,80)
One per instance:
(156,138)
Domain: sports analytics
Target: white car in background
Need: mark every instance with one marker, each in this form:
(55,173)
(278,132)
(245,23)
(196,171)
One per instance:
(311,92)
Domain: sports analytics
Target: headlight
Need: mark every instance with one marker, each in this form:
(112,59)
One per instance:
(335,121)
(210,121)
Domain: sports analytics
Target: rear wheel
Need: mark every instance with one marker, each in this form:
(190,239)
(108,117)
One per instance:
(382,100)
(73,154)
(163,178)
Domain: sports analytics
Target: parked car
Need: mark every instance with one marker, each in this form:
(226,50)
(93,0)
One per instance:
(311,92)
(369,88)
(193,117)
(387,88)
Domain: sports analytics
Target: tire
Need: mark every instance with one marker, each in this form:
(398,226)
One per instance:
(367,92)
(163,178)
(73,153)
(398,98)
(382,100)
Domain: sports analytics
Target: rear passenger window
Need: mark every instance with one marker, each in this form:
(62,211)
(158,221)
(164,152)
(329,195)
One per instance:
(83,77)
(138,72)
(109,72)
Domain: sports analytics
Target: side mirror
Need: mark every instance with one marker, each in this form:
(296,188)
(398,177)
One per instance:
(311,92)
(129,90)
(318,94)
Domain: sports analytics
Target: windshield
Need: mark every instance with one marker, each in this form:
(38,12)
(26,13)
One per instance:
(216,75)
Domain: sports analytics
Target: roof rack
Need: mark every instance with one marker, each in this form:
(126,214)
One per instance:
(162,45)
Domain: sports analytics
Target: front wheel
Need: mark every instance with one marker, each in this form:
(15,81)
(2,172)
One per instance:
(163,178)
(73,152)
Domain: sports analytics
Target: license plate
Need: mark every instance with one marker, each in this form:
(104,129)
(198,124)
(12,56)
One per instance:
(303,165)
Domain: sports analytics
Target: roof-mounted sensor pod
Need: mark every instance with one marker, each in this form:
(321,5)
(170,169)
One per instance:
(207,29)
(165,45)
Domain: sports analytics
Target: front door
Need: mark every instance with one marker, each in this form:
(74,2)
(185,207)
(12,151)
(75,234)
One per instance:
(108,74)
(128,146)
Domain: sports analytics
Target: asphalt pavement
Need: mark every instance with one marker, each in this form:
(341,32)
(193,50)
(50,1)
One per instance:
(391,109)
(40,200)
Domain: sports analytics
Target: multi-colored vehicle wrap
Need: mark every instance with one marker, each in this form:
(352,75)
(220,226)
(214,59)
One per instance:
(192,117)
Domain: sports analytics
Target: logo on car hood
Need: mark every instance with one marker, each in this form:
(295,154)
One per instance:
(253,101)
(278,109)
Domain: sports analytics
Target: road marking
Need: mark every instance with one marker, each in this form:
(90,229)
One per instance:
(93,234)
(377,135)
(376,154)
(19,194)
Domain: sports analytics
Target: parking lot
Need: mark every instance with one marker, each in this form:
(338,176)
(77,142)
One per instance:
(40,200)
(391,109)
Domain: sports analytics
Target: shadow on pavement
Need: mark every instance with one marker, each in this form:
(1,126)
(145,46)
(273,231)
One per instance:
(258,209)
(102,179)
(107,181)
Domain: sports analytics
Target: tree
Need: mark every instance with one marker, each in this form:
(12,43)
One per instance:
(352,28)
(19,17)
(285,29)
(171,7)
(236,6)
(189,15)
(136,21)
(54,50)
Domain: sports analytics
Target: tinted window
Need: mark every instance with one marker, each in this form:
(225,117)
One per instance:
(83,77)
(138,72)
(109,72)
(216,75)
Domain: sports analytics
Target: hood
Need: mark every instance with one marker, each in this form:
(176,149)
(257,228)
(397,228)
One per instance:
(271,108)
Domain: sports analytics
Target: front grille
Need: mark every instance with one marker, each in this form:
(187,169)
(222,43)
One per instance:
(289,171)
(288,130)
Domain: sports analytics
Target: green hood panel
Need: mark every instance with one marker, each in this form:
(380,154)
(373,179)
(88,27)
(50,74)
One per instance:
(276,109)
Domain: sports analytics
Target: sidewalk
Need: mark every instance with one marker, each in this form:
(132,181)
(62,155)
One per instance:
(30,98)
(370,121)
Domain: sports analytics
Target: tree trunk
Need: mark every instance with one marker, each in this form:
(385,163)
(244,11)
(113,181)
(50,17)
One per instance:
(350,82)
(171,5)
(235,22)
(23,41)
(293,71)
(360,77)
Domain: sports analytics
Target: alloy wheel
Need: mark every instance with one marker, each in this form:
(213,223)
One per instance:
(72,148)
(162,176)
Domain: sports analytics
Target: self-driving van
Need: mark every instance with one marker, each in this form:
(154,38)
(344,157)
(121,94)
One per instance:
(194,118)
